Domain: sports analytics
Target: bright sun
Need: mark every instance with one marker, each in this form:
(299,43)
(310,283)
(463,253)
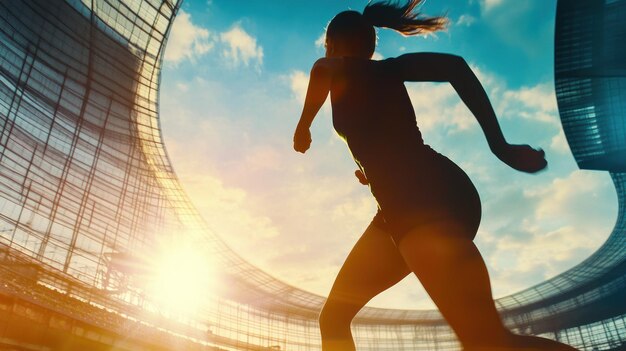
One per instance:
(182,280)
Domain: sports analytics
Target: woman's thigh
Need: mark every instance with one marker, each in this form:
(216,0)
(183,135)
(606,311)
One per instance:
(373,266)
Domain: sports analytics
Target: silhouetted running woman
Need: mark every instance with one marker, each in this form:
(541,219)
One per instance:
(430,207)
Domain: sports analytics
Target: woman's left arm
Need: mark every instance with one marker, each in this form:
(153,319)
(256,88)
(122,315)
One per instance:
(317,92)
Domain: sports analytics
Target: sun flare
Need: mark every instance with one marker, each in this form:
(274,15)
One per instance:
(182,280)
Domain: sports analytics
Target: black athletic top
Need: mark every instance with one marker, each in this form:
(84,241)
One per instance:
(412,183)
(372,112)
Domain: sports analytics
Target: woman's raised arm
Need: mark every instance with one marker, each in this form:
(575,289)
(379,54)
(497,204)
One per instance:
(433,67)
(317,92)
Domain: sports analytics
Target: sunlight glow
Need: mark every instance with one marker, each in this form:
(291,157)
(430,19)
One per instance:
(182,280)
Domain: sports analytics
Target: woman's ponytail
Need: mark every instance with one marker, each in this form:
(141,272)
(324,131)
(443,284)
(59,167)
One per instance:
(402,18)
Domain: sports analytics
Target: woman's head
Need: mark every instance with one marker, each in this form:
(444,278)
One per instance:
(351,33)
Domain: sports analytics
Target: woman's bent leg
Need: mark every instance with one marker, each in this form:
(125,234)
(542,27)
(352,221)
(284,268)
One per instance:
(373,265)
(454,274)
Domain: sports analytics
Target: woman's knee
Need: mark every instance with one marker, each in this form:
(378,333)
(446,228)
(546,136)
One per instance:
(336,315)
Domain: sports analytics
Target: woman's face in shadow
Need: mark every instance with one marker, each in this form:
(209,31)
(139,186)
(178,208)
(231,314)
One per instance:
(330,48)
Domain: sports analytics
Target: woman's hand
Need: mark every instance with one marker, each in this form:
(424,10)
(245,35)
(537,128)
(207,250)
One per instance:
(522,157)
(302,139)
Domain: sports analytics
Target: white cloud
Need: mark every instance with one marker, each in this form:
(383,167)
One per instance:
(182,87)
(466,20)
(559,143)
(186,40)
(352,213)
(262,158)
(541,255)
(523,261)
(377,56)
(299,82)
(229,212)
(494,85)
(407,294)
(438,106)
(563,197)
(549,228)
(320,42)
(242,48)
(537,102)
(541,96)
(531,106)
(488,5)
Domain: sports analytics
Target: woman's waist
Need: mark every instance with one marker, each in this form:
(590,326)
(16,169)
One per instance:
(419,174)
(386,160)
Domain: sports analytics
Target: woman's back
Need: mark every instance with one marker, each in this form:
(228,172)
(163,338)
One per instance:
(372,112)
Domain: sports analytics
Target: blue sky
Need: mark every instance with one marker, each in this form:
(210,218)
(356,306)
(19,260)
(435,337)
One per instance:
(234,78)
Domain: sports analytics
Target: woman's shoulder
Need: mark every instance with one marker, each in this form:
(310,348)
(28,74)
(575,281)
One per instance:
(389,67)
(331,64)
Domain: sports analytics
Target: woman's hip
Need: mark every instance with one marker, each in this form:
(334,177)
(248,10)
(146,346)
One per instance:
(438,191)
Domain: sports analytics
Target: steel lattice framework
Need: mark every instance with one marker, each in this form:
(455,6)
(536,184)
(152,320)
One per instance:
(86,190)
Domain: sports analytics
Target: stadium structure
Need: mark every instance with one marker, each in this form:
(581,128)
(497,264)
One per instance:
(88,198)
